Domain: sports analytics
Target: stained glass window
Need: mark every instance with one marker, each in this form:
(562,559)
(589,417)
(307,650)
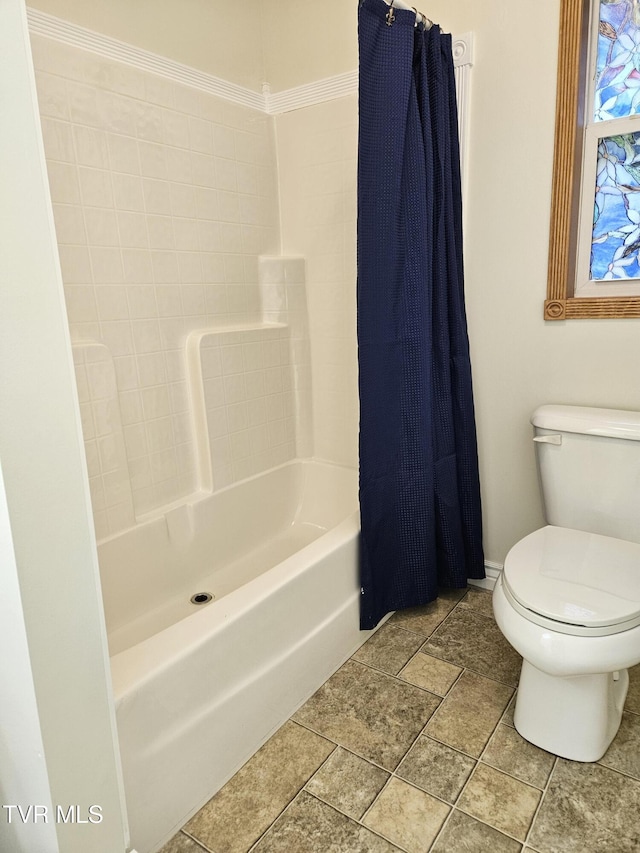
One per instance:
(615,238)
(616,219)
(594,256)
(617,88)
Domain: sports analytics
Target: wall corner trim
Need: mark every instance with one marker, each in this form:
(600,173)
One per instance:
(310,94)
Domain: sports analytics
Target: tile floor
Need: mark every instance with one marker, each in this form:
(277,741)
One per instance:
(410,746)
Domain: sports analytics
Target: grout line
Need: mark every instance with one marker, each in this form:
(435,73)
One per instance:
(537,811)
(195,840)
(422,733)
(359,822)
(394,774)
(474,671)
(477,760)
(442,828)
(607,767)
(397,676)
(398,624)
(270,827)
(342,746)
(376,798)
(284,809)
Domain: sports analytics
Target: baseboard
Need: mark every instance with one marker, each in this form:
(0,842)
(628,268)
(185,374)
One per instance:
(492,571)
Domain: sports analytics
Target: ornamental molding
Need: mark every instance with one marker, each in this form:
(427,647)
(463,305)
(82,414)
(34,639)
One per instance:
(271,103)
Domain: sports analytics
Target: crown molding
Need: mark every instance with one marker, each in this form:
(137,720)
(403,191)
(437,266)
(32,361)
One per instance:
(347,84)
(42,24)
(310,94)
(272,103)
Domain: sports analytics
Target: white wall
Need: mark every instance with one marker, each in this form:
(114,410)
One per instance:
(219,37)
(305,41)
(24,769)
(47,502)
(317,150)
(286,43)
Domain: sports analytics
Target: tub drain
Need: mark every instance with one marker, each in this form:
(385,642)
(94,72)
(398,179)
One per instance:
(201,598)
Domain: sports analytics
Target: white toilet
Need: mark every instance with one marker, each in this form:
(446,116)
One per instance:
(568,599)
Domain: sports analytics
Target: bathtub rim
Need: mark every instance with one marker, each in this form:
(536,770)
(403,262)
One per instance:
(133,667)
(199,495)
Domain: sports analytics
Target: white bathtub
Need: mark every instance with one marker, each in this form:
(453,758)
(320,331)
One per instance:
(199,688)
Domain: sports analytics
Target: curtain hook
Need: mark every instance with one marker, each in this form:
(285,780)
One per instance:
(427,22)
(390,17)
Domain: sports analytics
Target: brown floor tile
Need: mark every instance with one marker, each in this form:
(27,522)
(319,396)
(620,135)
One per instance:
(436,768)
(181,843)
(510,752)
(624,752)
(309,826)
(431,673)
(633,696)
(467,638)
(348,782)
(424,620)
(480,600)
(407,816)
(369,713)
(241,811)
(470,712)
(465,834)
(588,809)
(388,649)
(501,801)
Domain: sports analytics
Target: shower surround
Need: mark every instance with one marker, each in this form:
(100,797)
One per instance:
(203,292)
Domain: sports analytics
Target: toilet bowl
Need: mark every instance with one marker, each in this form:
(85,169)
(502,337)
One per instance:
(568,599)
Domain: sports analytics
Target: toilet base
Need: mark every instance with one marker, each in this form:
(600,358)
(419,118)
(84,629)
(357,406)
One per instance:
(575,717)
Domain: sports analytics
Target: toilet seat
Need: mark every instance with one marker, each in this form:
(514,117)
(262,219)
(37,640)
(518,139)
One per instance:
(575,582)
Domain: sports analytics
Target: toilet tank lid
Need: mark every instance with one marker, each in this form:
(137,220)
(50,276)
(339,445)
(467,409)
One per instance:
(614,423)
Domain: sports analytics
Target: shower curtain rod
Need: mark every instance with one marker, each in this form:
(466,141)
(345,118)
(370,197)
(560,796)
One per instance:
(400,4)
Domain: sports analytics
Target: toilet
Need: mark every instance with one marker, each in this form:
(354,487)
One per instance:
(568,599)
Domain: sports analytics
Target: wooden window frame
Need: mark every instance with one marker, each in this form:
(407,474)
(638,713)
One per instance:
(561,304)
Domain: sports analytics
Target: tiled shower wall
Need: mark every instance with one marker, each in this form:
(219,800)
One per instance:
(164,198)
(318,200)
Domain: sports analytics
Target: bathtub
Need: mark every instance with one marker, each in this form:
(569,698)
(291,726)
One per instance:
(198,688)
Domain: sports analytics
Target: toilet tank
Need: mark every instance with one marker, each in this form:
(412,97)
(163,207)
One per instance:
(589,464)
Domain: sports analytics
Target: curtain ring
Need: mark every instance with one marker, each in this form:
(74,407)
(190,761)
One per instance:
(390,17)
(427,23)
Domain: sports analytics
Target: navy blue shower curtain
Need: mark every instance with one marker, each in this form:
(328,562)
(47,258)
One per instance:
(419,484)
